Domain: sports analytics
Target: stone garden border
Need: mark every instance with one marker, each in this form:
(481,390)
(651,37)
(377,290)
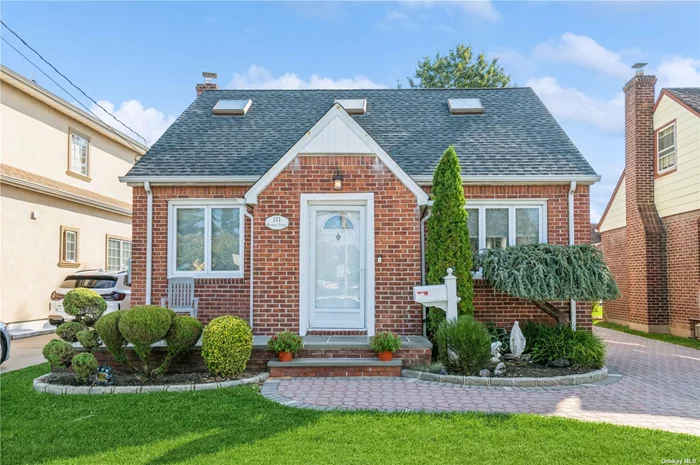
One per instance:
(41,386)
(568,380)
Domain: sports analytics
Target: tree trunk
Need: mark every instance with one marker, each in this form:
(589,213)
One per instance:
(561,317)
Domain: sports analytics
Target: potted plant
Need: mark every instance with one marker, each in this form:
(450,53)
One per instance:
(385,344)
(285,345)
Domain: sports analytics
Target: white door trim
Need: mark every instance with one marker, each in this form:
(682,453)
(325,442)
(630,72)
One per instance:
(366,199)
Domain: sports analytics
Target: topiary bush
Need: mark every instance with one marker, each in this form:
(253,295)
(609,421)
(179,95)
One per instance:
(226,345)
(143,326)
(464,345)
(85,305)
(88,338)
(184,333)
(84,366)
(68,331)
(107,328)
(58,353)
(550,343)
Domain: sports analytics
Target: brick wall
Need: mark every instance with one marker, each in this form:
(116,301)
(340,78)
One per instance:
(614,247)
(683,252)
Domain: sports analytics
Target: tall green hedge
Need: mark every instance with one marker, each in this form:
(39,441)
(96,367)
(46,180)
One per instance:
(447,245)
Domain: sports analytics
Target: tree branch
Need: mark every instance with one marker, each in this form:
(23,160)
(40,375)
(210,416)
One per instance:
(561,317)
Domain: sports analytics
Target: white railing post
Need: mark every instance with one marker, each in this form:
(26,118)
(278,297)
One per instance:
(451,285)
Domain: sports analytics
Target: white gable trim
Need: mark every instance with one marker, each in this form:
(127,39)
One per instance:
(336,112)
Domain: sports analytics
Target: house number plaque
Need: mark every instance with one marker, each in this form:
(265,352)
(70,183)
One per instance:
(276,222)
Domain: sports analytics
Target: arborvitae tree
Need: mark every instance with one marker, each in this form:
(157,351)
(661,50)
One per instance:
(447,245)
(546,273)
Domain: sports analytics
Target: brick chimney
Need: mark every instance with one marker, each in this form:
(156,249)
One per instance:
(646,237)
(209,83)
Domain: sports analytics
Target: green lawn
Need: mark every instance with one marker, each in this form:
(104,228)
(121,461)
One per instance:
(678,340)
(238,426)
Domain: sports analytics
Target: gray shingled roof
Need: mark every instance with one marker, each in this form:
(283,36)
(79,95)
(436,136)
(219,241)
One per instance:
(516,134)
(688,95)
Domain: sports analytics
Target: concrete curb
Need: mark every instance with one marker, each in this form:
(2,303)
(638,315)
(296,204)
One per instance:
(41,386)
(568,380)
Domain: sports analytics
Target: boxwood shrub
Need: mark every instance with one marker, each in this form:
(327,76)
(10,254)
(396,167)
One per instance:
(88,338)
(84,365)
(58,353)
(86,305)
(68,331)
(226,345)
(107,328)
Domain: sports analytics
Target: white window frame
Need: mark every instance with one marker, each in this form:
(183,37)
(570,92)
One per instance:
(669,153)
(511,204)
(71,169)
(122,262)
(66,250)
(207,205)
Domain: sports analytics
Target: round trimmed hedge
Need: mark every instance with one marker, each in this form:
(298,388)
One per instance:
(227,345)
(69,330)
(145,325)
(107,329)
(85,305)
(84,365)
(88,338)
(183,334)
(58,353)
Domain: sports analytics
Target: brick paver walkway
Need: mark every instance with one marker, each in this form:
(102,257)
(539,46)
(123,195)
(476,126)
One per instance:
(660,388)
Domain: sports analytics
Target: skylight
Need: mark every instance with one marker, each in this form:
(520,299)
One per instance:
(465,106)
(232,107)
(354,106)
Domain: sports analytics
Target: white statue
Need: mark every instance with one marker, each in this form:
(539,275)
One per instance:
(517,340)
(496,351)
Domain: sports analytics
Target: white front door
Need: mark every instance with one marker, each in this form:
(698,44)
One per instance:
(337,267)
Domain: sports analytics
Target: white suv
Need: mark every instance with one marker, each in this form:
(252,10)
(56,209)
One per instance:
(113,287)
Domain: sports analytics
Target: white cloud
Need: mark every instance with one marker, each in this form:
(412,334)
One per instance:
(396,20)
(585,52)
(679,72)
(474,9)
(571,104)
(258,77)
(148,122)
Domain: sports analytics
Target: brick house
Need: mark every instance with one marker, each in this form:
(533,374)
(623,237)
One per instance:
(305,210)
(651,227)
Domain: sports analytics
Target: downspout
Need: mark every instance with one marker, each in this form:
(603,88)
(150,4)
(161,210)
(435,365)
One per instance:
(572,302)
(252,247)
(422,258)
(149,240)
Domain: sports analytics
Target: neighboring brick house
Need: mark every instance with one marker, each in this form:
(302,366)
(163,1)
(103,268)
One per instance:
(330,190)
(651,227)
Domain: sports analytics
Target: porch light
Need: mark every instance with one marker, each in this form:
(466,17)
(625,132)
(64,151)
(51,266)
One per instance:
(338,181)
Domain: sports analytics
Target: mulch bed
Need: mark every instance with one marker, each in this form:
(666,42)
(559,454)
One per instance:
(519,369)
(129,379)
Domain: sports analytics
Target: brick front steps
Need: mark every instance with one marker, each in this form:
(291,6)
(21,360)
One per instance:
(338,367)
(414,349)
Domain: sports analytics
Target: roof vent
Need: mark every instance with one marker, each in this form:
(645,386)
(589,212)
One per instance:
(465,106)
(232,107)
(354,106)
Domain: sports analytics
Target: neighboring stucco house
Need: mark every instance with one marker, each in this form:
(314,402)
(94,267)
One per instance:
(651,227)
(62,206)
(302,210)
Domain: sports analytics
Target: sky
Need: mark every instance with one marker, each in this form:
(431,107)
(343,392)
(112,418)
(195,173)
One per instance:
(141,60)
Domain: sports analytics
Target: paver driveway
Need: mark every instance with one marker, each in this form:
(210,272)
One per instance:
(659,388)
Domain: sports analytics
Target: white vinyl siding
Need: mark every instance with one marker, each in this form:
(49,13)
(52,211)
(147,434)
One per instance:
(118,254)
(205,239)
(616,217)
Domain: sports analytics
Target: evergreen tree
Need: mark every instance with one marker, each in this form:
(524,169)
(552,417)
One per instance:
(447,245)
(546,273)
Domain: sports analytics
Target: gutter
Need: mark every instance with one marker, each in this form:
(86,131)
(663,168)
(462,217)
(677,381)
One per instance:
(428,179)
(252,247)
(193,180)
(149,241)
(572,302)
(422,256)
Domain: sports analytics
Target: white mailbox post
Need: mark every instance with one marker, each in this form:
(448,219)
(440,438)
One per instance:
(442,296)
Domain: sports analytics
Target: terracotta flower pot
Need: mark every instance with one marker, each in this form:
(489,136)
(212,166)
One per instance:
(385,356)
(285,356)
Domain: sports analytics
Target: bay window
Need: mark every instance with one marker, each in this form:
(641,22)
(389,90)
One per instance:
(205,238)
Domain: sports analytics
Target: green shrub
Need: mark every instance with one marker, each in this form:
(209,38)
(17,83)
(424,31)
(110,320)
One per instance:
(68,331)
(499,335)
(58,353)
(89,339)
(85,305)
(144,325)
(183,335)
(549,343)
(464,345)
(107,329)
(226,345)
(84,365)
(285,342)
(385,342)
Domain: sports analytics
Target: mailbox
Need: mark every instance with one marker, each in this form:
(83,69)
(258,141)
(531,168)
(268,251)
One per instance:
(442,296)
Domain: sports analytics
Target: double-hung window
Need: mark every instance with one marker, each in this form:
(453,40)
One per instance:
(495,224)
(205,238)
(78,154)
(118,253)
(666,148)
(68,248)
